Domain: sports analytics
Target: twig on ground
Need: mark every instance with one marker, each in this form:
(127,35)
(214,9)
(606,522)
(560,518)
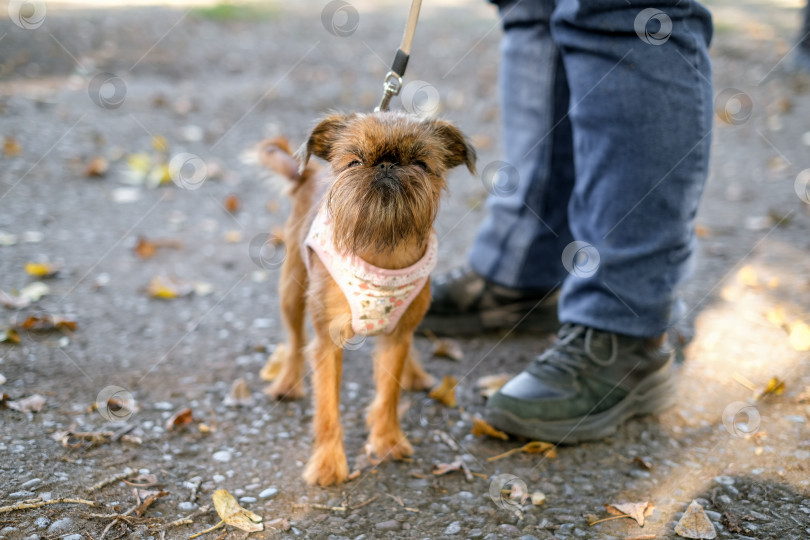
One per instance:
(448,440)
(117,518)
(107,481)
(188,520)
(215,527)
(38,503)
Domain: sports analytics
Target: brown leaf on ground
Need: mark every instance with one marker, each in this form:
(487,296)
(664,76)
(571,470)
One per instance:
(29,404)
(448,348)
(273,366)
(167,288)
(489,384)
(231,513)
(634,510)
(482,428)
(148,498)
(775,387)
(535,447)
(96,167)
(800,336)
(46,323)
(41,270)
(440,469)
(9,335)
(146,249)
(643,463)
(445,393)
(240,394)
(232,204)
(695,524)
(180,419)
(11,147)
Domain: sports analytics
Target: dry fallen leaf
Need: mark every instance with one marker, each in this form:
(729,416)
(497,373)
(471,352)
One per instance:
(96,167)
(482,428)
(232,204)
(775,387)
(535,447)
(240,394)
(180,419)
(538,498)
(148,498)
(233,514)
(635,510)
(445,393)
(273,366)
(46,322)
(11,147)
(440,469)
(166,287)
(9,335)
(42,270)
(800,336)
(695,523)
(146,248)
(448,348)
(643,463)
(489,384)
(29,404)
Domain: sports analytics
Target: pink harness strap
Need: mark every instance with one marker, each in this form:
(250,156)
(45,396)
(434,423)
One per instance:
(377,296)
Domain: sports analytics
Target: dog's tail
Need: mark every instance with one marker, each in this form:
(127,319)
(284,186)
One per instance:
(275,154)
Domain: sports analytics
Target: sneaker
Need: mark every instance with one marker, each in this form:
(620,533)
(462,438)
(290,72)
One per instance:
(585,386)
(465,304)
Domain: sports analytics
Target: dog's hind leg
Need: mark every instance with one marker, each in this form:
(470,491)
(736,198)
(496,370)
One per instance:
(292,289)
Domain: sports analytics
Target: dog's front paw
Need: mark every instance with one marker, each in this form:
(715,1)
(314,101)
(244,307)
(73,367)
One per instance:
(327,466)
(392,445)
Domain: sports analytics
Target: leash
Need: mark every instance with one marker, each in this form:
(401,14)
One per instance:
(392,83)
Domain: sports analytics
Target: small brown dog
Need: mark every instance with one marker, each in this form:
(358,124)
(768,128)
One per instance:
(360,247)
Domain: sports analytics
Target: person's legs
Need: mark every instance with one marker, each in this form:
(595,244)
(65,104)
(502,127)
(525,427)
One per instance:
(640,113)
(521,240)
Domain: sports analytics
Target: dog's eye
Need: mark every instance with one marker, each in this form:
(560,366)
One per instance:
(354,163)
(421,164)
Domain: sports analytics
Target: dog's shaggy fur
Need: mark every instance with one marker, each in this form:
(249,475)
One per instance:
(382,189)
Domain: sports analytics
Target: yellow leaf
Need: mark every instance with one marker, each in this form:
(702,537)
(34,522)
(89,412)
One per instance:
(800,336)
(748,276)
(774,387)
(445,393)
(41,269)
(272,368)
(535,447)
(159,175)
(9,335)
(168,288)
(160,144)
(139,164)
(482,427)
(231,513)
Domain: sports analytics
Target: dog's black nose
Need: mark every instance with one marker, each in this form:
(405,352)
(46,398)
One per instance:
(386,167)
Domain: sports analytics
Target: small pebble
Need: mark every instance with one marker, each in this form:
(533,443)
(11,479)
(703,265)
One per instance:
(61,526)
(21,495)
(759,516)
(247,500)
(73,537)
(269,493)
(453,528)
(218,478)
(475,533)
(31,483)
(390,525)
(187,506)
(725,480)
(795,418)
(42,522)
(638,473)
(509,529)
(9,531)
(222,455)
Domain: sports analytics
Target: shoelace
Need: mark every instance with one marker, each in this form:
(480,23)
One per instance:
(573,350)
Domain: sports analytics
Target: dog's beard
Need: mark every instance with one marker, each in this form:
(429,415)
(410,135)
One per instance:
(376,212)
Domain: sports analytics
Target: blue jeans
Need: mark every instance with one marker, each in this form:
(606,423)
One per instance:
(607,119)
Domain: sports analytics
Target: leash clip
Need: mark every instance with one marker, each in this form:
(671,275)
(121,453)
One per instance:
(392,84)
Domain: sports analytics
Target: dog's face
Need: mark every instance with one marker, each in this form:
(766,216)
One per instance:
(388,171)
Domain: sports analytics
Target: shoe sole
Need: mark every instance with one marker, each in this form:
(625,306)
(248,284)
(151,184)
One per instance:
(653,395)
(519,317)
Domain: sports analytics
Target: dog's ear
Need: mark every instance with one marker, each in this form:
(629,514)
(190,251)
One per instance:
(275,155)
(458,150)
(322,138)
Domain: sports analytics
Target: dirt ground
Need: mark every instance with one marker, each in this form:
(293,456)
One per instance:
(138,85)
